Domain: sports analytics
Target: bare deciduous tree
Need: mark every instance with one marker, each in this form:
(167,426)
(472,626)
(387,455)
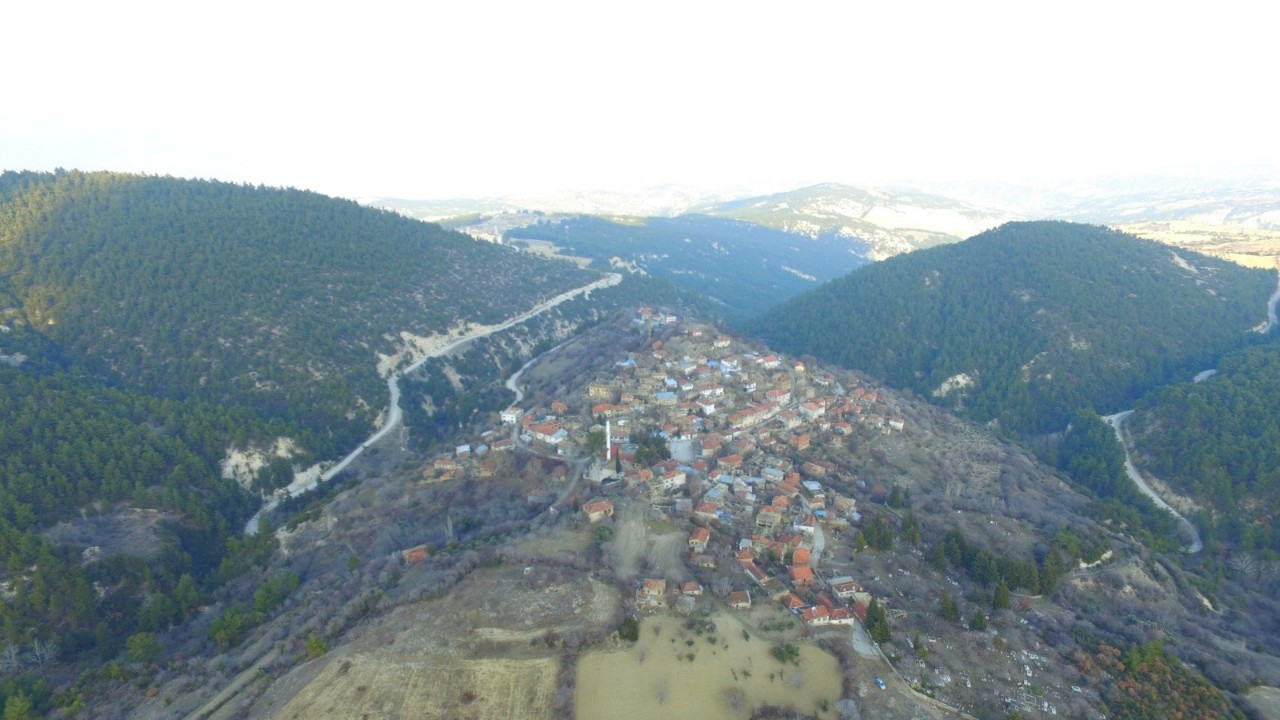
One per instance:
(10,659)
(44,651)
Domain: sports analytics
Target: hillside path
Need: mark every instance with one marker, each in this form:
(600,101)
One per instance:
(1117,423)
(1271,304)
(306,482)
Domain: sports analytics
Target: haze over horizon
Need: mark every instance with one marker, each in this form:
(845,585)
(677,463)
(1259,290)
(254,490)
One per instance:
(494,99)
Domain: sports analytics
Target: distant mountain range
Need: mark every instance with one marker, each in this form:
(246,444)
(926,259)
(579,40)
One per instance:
(1239,220)
(888,222)
(744,267)
(880,223)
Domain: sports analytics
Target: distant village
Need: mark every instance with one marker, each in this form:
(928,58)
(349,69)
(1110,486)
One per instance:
(737,426)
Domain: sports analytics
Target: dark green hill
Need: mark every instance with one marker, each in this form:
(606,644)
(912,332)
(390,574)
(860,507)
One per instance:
(745,267)
(149,324)
(1028,322)
(278,300)
(1218,442)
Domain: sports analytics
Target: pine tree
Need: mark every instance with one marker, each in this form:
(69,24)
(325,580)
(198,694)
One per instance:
(911,529)
(1001,599)
(949,611)
(878,623)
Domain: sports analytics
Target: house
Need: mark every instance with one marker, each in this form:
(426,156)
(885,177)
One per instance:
(703,560)
(698,539)
(706,511)
(693,587)
(792,602)
(549,433)
(598,510)
(511,415)
(559,408)
(672,480)
(755,573)
(860,611)
(815,615)
(801,575)
(813,410)
(711,391)
(606,410)
(740,600)
(722,342)
(600,391)
(805,524)
(769,518)
(653,592)
(800,557)
(414,554)
(841,616)
(778,396)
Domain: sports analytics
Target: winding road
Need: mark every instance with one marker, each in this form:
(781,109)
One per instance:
(395,416)
(1271,304)
(1116,422)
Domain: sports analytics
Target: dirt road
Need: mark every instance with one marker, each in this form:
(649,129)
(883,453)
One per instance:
(308,481)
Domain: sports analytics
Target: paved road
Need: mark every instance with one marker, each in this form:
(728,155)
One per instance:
(394,414)
(1271,303)
(1117,422)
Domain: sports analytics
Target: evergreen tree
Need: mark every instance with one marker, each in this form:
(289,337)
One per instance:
(878,623)
(911,529)
(948,610)
(1001,599)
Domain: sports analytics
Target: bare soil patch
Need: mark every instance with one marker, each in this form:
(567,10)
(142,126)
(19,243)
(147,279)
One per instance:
(728,676)
(1265,701)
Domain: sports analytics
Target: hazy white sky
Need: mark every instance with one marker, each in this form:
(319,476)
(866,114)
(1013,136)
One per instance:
(450,99)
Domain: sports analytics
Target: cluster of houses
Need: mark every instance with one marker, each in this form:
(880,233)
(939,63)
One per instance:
(738,425)
(709,397)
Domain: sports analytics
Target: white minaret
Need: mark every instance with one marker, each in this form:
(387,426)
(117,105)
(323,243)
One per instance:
(608,441)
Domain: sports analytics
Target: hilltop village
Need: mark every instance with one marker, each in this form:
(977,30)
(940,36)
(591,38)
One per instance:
(753,458)
(710,431)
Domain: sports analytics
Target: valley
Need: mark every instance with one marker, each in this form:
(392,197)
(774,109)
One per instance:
(584,470)
(899,491)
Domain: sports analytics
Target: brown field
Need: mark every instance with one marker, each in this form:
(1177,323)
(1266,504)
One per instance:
(725,680)
(1248,246)
(370,687)
(476,653)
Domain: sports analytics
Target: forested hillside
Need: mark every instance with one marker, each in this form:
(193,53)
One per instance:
(1218,442)
(747,268)
(278,300)
(147,325)
(1029,322)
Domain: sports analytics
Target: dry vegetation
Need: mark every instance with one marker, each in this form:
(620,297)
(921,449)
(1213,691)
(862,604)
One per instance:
(717,673)
(514,615)
(1248,246)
